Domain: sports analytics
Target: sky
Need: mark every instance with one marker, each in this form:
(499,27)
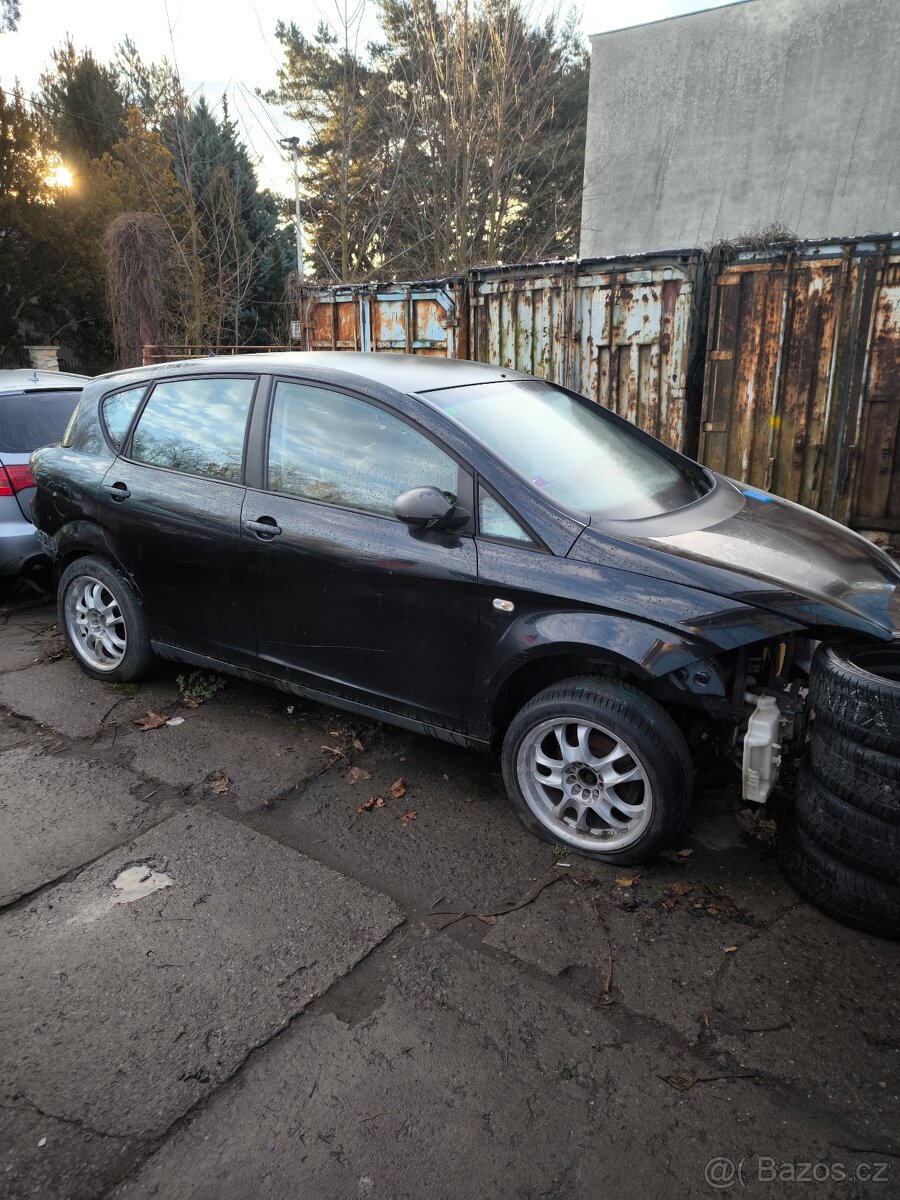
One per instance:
(229,47)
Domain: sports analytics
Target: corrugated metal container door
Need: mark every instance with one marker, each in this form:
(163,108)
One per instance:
(876,500)
(412,319)
(418,318)
(619,332)
(770,371)
(801,343)
(332,320)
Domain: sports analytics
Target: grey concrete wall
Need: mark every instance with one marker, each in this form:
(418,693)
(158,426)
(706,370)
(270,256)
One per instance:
(711,125)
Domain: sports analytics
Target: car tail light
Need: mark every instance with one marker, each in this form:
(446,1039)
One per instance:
(15,479)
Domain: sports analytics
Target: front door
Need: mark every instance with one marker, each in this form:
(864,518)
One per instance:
(170,508)
(349,600)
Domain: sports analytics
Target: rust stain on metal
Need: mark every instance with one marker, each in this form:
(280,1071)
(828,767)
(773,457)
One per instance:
(802,387)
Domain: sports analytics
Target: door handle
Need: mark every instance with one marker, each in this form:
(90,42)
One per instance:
(265,528)
(118,491)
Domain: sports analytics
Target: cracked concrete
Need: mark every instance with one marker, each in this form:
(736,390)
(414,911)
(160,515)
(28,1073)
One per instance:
(257,1025)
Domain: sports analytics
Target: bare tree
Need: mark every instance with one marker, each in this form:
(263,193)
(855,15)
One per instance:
(498,120)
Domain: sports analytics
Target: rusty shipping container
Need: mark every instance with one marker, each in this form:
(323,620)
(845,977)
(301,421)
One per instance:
(802,381)
(404,318)
(624,332)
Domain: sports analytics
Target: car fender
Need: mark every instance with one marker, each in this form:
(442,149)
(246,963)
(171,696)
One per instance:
(646,651)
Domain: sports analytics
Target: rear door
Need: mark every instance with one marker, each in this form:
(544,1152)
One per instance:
(349,600)
(170,508)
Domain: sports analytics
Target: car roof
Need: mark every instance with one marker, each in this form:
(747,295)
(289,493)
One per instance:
(404,372)
(29,380)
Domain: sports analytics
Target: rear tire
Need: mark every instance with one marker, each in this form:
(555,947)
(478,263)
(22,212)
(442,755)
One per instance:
(622,767)
(103,622)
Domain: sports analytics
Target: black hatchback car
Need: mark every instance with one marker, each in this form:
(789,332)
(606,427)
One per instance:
(459,549)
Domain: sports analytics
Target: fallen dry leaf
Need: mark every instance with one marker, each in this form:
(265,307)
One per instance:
(355,774)
(753,822)
(372,802)
(626,881)
(487,920)
(408,816)
(335,750)
(219,785)
(729,949)
(684,853)
(191,702)
(444,775)
(398,788)
(150,720)
(357,745)
(669,902)
(679,889)
(334,733)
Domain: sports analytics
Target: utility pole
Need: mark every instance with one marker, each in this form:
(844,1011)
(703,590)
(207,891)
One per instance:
(293,143)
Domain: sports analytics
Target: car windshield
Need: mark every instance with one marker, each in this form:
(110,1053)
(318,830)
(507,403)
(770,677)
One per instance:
(32,419)
(571,450)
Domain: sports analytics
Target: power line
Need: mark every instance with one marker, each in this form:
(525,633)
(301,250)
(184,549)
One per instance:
(61,112)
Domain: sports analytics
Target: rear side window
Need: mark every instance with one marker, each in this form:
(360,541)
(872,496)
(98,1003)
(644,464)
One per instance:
(196,426)
(29,420)
(118,410)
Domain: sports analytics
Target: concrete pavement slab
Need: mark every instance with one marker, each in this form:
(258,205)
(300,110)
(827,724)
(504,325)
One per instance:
(27,638)
(61,697)
(455,1075)
(120,1016)
(246,736)
(819,1004)
(58,812)
(556,932)
(463,849)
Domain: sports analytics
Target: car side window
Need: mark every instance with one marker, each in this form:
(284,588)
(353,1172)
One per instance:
(495,522)
(196,426)
(118,409)
(324,445)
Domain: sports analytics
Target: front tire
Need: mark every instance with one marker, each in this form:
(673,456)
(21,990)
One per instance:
(600,768)
(103,622)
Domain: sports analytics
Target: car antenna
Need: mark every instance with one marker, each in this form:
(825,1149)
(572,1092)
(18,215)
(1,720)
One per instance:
(210,353)
(34,377)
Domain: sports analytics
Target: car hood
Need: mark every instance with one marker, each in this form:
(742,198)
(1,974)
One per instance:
(755,547)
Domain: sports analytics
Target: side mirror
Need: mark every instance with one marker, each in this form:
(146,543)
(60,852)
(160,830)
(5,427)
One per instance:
(428,508)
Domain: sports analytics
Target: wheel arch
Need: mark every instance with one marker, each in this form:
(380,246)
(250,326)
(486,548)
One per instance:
(82,539)
(551,665)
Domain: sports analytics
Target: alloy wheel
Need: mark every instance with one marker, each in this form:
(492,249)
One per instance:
(95,623)
(585,784)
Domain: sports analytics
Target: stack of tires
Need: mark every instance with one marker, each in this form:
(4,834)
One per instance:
(840,843)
